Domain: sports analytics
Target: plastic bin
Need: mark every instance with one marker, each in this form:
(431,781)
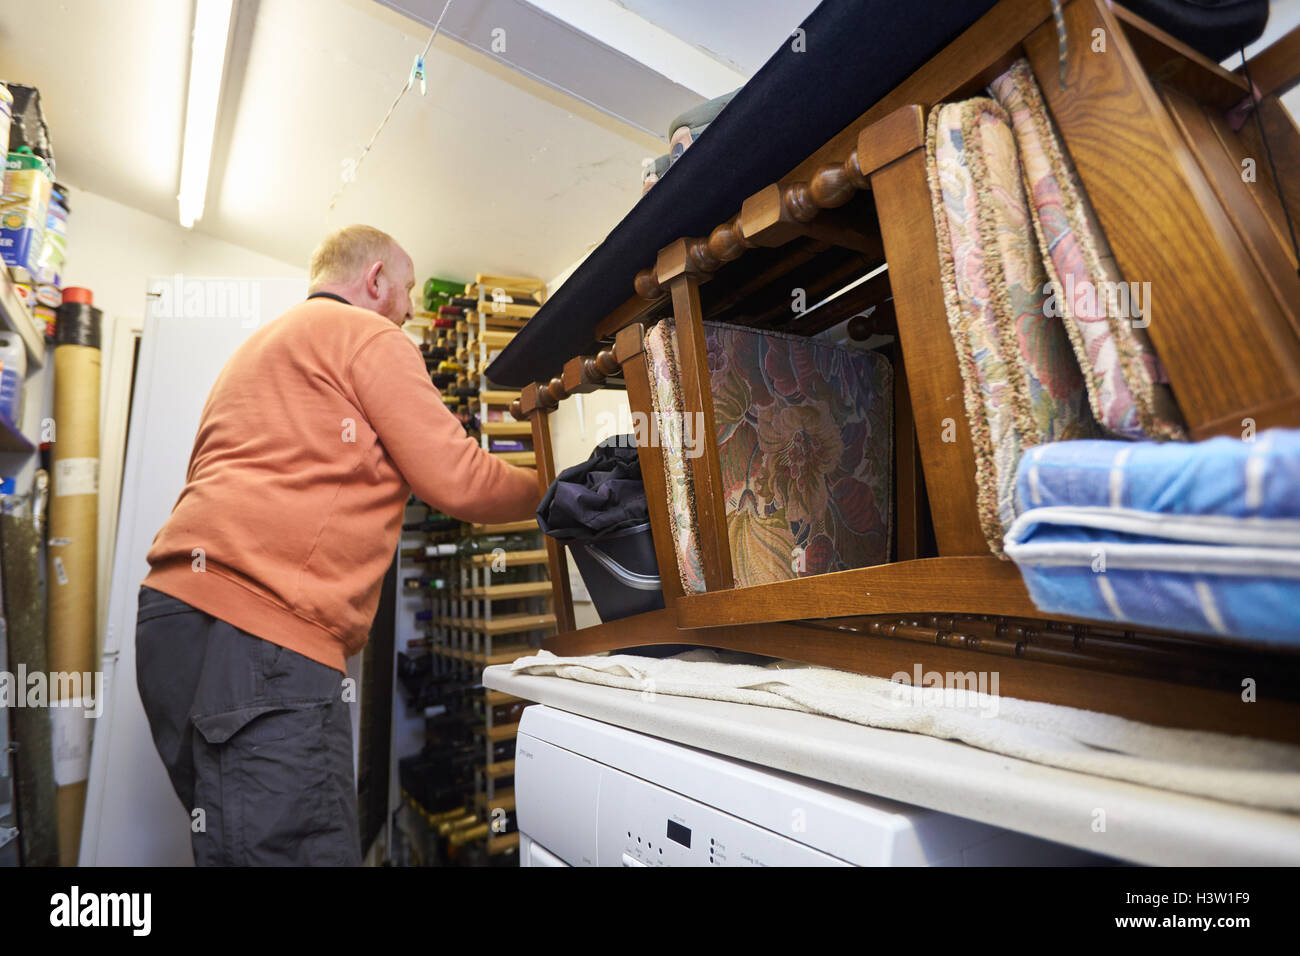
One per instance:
(621,572)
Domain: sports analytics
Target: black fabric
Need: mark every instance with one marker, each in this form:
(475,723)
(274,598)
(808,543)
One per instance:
(855,51)
(256,738)
(1217,28)
(602,496)
(329,295)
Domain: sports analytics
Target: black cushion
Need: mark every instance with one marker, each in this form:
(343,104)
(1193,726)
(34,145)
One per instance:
(855,51)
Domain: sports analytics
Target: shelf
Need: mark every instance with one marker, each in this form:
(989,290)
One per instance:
(494,340)
(505,624)
(496,397)
(14,315)
(510,309)
(497,734)
(507,656)
(516,457)
(526,285)
(504,800)
(506,428)
(503,321)
(502,768)
(503,844)
(11,439)
(506,592)
(512,558)
(495,698)
(528,524)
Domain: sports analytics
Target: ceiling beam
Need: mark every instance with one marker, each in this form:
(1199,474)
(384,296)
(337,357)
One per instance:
(561,55)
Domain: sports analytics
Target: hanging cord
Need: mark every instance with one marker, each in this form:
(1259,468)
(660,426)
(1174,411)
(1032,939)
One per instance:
(388,115)
(1268,152)
(1062,41)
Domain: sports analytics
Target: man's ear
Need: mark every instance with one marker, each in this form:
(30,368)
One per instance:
(372,277)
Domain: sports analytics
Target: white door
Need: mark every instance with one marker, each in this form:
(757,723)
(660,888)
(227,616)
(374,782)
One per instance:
(133,816)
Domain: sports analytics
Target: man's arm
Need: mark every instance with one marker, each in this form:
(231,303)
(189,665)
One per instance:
(445,468)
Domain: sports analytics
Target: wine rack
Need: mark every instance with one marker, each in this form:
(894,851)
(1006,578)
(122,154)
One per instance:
(482,605)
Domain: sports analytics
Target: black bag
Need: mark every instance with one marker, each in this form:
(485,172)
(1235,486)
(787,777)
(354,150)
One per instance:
(598,509)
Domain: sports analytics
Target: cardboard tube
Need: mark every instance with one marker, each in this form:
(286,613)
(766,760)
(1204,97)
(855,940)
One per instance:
(72,554)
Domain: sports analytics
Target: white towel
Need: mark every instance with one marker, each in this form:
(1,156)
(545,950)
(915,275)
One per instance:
(1241,770)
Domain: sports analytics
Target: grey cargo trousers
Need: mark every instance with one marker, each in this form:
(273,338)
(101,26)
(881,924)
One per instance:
(257,740)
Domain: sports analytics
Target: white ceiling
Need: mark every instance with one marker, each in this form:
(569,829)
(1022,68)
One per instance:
(493,170)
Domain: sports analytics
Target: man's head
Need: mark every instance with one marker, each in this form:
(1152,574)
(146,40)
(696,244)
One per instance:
(366,267)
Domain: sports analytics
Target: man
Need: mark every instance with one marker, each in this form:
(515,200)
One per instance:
(266,577)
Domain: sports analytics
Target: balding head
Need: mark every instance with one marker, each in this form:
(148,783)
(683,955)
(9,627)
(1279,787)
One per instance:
(367,267)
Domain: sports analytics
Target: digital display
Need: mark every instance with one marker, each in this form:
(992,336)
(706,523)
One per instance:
(679,834)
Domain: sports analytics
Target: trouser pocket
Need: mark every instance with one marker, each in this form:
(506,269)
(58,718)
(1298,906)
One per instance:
(270,789)
(274,782)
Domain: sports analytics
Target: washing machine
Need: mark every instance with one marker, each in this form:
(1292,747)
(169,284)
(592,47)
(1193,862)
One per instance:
(589,793)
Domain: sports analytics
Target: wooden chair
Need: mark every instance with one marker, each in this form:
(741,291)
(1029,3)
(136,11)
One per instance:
(1157,134)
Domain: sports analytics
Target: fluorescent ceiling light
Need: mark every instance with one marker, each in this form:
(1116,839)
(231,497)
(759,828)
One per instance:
(207,63)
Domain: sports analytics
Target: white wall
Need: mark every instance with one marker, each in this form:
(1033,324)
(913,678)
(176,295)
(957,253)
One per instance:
(113,250)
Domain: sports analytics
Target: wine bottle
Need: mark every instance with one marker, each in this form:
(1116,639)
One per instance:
(425,583)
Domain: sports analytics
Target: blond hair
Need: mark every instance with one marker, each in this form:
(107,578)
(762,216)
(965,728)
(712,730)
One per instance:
(345,254)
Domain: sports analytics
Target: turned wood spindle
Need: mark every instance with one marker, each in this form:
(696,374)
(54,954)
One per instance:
(647,285)
(557,391)
(516,410)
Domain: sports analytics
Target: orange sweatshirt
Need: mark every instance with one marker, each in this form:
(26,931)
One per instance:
(313,437)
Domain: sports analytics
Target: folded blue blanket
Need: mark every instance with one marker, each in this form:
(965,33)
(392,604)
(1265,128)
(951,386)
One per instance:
(1202,538)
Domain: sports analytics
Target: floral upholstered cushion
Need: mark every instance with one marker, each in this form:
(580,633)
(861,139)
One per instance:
(805,446)
(1126,383)
(1021,379)
(661,355)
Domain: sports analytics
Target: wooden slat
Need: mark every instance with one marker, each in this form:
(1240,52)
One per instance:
(521,458)
(504,624)
(502,768)
(512,559)
(490,396)
(1275,121)
(509,284)
(503,800)
(499,656)
(505,592)
(503,844)
(505,428)
(1224,342)
(933,376)
(697,407)
(493,339)
(958,585)
(1172,62)
(557,561)
(505,527)
(498,733)
(891,137)
(494,698)
(1276,69)
(511,309)
(909,480)
(1268,245)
